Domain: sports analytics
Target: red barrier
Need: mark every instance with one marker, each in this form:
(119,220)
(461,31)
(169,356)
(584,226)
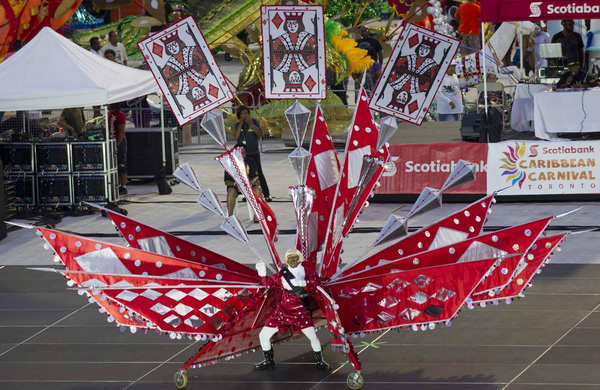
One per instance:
(419,165)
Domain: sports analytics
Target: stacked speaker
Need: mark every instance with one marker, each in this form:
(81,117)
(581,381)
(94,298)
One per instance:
(61,173)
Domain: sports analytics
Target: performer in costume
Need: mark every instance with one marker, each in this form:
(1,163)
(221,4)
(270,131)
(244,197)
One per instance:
(185,69)
(296,283)
(294,51)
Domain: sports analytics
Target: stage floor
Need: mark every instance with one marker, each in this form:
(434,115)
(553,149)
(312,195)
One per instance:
(52,339)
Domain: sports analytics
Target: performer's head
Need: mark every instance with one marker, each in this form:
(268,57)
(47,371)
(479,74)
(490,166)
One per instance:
(293,22)
(172,42)
(293,257)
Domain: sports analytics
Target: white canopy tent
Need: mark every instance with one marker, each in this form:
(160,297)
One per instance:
(51,72)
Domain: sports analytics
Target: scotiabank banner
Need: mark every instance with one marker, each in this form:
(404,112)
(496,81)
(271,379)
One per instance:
(420,165)
(518,10)
(544,168)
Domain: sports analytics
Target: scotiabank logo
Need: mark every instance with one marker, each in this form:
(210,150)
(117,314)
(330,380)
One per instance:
(535,9)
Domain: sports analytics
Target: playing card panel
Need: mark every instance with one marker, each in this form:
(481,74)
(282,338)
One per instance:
(413,73)
(185,70)
(294,52)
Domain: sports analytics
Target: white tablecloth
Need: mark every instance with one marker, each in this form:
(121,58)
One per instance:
(566,112)
(521,116)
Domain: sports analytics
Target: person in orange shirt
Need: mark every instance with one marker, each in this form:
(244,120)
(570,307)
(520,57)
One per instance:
(469,16)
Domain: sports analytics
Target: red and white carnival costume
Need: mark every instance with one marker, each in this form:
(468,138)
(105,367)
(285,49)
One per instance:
(290,313)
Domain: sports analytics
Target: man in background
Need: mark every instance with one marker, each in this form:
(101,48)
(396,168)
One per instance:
(116,128)
(72,121)
(574,78)
(570,42)
(117,47)
(449,99)
(469,17)
(95,46)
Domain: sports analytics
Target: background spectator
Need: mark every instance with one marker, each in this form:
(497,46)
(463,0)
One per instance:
(449,99)
(247,132)
(72,121)
(117,47)
(232,189)
(469,17)
(95,45)
(116,128)
(571,43)
(109,54)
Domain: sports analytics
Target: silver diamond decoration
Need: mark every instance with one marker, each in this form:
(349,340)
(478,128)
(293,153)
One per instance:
(302,200)
(127,295)
(209,310)
(409,314)
(348,292)
(222,294)
(384,318)
(298,116)
(187,176)
(233,162)
(234,228)
(419,297)
(370,287)
(388,302)
(198,294)
(422,281)
(369,168)
(182,309)
(299,160)
(194,322)
(208,199)
(429,199)
(443,294)
(176,295)
(214,125)
(398,285)
(387,129)
(173,320)
(151,294)
(395,227)
(463,172)
(160,309)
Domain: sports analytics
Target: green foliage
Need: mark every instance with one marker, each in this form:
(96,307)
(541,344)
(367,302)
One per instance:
(348,9)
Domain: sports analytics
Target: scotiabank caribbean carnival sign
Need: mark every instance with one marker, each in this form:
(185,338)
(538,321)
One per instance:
(543,168)
(517,10)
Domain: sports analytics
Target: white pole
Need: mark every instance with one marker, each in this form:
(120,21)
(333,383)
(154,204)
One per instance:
(162,132)
(485,93)
(107,136)
(522,50)
(108,155)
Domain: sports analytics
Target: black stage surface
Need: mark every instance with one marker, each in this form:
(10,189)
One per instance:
(51,339)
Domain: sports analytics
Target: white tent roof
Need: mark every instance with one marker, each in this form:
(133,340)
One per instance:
(51,72)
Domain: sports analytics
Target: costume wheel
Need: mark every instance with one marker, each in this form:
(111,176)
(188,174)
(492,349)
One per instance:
(180,379)
(355,380)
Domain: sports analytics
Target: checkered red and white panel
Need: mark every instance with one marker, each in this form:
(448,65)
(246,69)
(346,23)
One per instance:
(185,70)
(458,226)
(413,74)
(509,241)
(403,298)
(293,41)
(170,304)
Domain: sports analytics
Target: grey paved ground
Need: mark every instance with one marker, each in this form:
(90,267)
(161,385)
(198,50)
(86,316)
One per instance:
(51,338)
